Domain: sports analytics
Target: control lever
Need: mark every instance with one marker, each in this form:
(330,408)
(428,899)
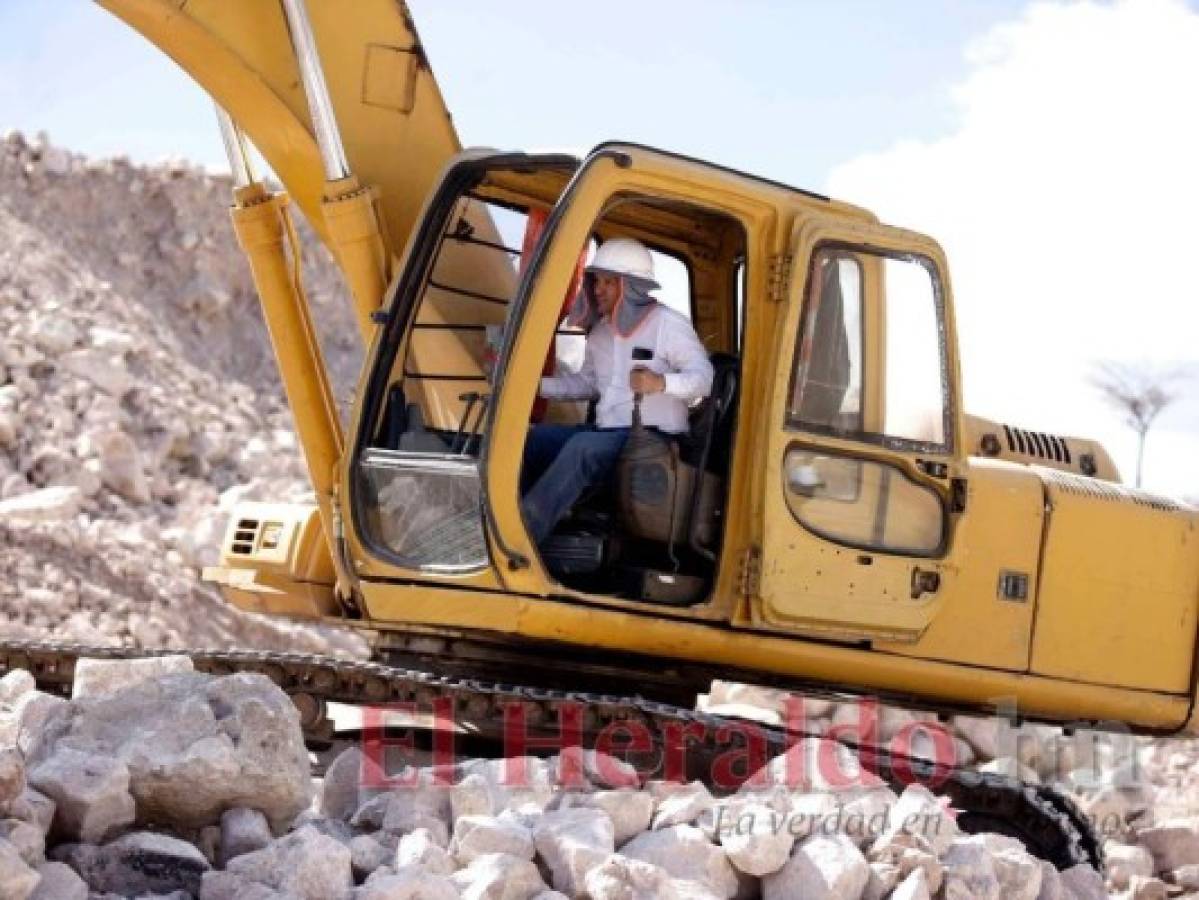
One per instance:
(470,398)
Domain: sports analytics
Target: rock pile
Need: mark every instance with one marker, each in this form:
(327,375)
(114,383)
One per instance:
(138,401)
(1141,795)
(154,780)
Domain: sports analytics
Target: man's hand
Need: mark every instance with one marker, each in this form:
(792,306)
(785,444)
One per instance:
(645,381)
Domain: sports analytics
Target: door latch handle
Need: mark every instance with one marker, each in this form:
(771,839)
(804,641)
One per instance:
(924,581)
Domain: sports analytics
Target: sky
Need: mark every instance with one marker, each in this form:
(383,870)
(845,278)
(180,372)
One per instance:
(1049,146)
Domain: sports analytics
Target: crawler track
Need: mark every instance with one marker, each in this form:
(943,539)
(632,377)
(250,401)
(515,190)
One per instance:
(1046,821)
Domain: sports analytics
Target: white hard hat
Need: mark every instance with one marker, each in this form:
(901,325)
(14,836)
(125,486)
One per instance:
(624,256)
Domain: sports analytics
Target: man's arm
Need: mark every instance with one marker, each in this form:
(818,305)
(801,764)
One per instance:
(690,375)
(580,385)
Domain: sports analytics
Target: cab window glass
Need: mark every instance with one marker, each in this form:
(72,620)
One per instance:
(870,361)
(827,386)
(862,503)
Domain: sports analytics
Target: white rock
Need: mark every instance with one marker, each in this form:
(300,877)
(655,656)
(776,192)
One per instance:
(51,504)
(1173,844)
(218,885)
(367,855)
(476,836)
(59,882)
(90,793)
(1126,860)
(22,723)
(35,808)
(686,853)
(424,805)
(1185,877)
(419,848)
(17,880)
(498,876)
(109,340)
(621,878)
(919,812)
(242,831)
(914,887)
(1012,768)
(121,467)
(305,863)
(821,867)
(571,842)
(1051,883)
(815,764)
(348,783)
(12,774)
(1147,889)
(29,840)
(1018,872)
(757,839)
(96,677)
(53,334)
(969,871)
(683,807)
(411,884)
(983,734)
(629,810)
(1081,882)
(883,879)
(576,767)
(105,371)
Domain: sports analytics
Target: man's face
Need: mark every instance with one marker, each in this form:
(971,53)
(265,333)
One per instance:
(606,289)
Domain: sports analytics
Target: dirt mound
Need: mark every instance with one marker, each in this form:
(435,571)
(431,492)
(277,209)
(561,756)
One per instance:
(138,400)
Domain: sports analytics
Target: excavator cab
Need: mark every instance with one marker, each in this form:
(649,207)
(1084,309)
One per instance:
(653,533)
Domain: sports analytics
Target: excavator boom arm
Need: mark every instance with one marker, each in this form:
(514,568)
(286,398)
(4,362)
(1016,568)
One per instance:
(396,131)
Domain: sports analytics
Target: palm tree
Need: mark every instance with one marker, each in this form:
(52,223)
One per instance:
(1138,391)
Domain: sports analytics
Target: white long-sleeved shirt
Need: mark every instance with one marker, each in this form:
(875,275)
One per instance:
(608,359)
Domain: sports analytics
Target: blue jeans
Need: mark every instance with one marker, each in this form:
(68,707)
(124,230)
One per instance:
(562,461)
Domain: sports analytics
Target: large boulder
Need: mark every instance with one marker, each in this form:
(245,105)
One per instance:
(194,745)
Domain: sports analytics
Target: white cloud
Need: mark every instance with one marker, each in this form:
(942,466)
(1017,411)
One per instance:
(1066,199)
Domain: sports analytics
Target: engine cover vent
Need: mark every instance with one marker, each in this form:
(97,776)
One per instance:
(1039,444)
(1102,490)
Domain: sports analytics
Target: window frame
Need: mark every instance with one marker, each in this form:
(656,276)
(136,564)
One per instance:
(791,420)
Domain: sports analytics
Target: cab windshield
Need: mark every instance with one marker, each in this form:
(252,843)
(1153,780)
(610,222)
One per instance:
(418,484)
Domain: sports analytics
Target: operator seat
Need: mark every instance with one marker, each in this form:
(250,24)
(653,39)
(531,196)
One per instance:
(674,500)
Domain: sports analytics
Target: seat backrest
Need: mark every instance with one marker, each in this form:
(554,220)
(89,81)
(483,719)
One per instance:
(711,428)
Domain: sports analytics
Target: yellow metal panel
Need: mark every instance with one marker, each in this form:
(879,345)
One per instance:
(1119,587)
(829,664)
(1001,532)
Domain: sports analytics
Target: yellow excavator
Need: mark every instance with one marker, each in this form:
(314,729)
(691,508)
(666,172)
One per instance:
(832,522)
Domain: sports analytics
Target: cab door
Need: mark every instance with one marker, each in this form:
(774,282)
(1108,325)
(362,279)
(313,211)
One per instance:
(862,460)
